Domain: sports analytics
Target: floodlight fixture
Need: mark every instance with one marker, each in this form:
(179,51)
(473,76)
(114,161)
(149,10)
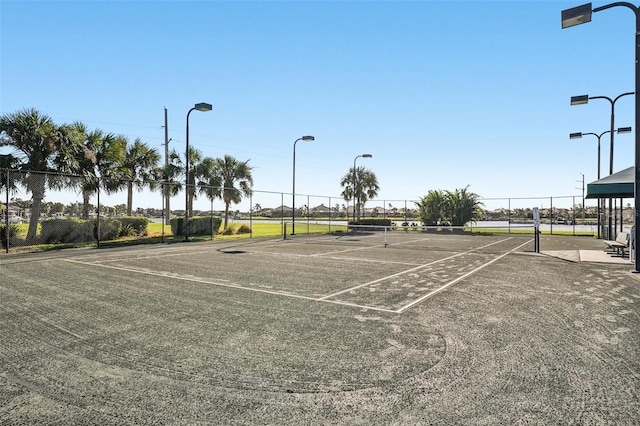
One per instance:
(202,106)
(576,15)
(579,100)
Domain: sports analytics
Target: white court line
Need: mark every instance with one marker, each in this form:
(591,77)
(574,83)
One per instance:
(415,302)
(412,269)
(195,280)
(234,286)
(322,299)
(355,305)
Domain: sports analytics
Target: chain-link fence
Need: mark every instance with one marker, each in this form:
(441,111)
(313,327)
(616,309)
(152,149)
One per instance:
(42,210)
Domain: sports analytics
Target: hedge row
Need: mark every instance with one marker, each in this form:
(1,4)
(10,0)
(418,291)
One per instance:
(371,222)
(68,231)
(198,225)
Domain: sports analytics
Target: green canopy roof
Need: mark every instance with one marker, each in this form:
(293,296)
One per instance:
(617,185)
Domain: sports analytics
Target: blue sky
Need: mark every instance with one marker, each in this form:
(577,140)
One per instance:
(442,94)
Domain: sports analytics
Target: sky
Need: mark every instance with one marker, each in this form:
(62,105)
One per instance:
(442,94)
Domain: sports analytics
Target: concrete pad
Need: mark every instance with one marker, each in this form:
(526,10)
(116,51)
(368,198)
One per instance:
(599,256)
(602,257)
(572,255)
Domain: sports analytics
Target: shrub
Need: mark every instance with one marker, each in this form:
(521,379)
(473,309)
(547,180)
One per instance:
(176,225)
(12,234)
(372,222)
(243,229)
(110,229)
(66,231)
(228,231)
(198,225)
(133,226)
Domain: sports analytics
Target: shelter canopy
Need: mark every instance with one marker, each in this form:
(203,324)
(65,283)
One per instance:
(617,185)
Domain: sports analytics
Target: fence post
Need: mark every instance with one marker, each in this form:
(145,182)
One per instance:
(551,215)
(574,214)
(509,213)
(98,216)
(330,214)
(282,214)
(6,210)
(308,206)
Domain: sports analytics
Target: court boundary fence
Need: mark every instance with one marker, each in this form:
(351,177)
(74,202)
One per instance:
(92,199)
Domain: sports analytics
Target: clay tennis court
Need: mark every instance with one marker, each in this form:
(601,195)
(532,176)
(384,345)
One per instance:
(429,329)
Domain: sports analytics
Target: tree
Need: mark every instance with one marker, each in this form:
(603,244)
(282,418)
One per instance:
(209,179)
(232,172)
(137,169)
(456,207)
(98,167)
(464,207)
(195,157)
(364,185)
(172,175)
(42,148)
(8,182)
(432,207)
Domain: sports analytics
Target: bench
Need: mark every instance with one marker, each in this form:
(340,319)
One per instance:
(620,244)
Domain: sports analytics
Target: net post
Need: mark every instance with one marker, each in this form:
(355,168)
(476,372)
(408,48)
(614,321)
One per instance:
(284,230)
(385,237)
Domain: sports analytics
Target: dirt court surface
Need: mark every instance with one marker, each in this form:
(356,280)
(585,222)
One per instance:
(431,329)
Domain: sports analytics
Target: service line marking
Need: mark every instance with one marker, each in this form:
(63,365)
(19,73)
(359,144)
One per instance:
(450,283)
(413,269)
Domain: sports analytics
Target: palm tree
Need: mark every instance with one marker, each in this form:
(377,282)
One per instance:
(172,176)
(209,180)
(195,158)
(7,162)
(41,147)
(432,208)
(138,168)
(456,207)
(364,185)
(232,172)
(464,206)
(105,153)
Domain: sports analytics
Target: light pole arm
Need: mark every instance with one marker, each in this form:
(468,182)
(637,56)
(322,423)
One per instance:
(618,3)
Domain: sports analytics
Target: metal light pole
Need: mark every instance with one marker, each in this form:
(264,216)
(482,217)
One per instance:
(354,183)
(583,99)
(582,14)
(200,107)
(293,201)
(583,208)
(165,185)
(578,135)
